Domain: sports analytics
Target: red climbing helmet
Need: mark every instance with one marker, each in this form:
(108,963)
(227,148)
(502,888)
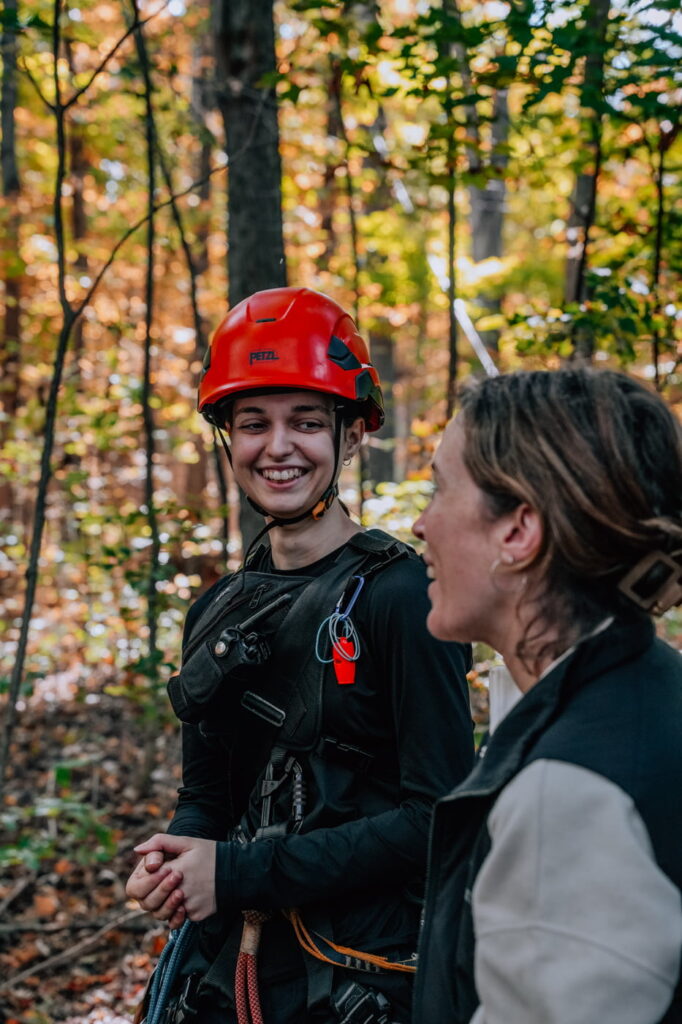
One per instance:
(290,338)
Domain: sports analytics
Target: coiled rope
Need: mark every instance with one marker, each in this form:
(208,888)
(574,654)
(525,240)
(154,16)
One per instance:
(246,995)
(166,971)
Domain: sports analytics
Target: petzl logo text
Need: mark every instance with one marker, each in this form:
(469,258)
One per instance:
(262,356)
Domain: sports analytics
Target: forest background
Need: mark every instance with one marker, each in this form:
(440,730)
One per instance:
(487,186)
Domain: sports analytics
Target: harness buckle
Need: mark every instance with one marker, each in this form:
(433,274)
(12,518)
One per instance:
(261,707)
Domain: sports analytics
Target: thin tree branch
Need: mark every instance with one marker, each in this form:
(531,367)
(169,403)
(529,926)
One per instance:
(16,891)
(105,60)
(69,955)
(659,179)
(23,67)
(186,248)
(135,227)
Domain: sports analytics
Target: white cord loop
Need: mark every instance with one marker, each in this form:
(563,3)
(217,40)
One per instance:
(339,627)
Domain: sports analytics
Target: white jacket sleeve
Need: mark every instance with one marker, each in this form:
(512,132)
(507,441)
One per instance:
(574,920)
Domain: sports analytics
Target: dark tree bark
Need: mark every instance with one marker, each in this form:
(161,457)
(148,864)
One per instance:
(487,209)
(453,355)
(327,195)
(147,412)
(245,52)
(381,447)
(450,7)
(584,198)
(665,140)
(10,343)
(203,100)
(78,167)
(377,461)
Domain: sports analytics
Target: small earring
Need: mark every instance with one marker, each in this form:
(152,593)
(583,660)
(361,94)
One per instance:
(504,559)
(347,461)
(507,583)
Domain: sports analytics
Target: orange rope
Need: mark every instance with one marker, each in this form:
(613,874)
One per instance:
(309,945)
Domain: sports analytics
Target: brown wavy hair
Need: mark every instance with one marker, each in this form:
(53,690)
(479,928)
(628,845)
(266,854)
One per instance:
(599,456)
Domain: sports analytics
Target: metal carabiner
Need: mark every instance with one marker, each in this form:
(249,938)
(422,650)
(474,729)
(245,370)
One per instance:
(353,599)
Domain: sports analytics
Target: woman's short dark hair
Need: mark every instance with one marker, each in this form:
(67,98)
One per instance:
(599,456)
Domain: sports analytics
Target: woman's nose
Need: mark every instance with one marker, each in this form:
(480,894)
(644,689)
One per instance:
(280,441)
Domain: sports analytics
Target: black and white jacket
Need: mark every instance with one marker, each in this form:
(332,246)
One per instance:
(555,875)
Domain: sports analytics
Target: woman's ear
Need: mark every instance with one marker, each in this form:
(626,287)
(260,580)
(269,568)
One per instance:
(352,438)
(522,536)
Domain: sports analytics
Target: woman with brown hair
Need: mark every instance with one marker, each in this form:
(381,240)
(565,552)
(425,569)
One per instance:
(553,894)
(312,750)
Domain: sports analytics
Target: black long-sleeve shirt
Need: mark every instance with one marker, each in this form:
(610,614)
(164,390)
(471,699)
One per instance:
(364,838)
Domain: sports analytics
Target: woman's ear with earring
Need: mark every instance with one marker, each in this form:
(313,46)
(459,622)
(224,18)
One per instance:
(520,537)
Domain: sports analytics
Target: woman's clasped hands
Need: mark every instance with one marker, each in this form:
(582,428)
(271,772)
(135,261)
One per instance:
(175,878)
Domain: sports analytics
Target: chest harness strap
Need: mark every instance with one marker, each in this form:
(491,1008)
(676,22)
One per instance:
(373,552)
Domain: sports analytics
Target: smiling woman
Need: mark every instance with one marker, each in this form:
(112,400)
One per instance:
(284,452)
(554,893)
(306,791)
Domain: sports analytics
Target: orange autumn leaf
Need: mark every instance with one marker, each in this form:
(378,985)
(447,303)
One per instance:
(45,904)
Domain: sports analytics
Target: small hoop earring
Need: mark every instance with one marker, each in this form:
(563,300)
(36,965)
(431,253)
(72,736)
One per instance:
(507,587)
(347,461)
(509,560)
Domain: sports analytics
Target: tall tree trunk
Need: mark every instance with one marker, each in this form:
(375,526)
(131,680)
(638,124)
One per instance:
(381,447)
(10,343)
(666,139)
(245,51)
(327,195)
(451,9)
(65,333)
(203,100)
(584,198)
(659,179)
(154,656)
(453,355)
(78,168)
(487,209)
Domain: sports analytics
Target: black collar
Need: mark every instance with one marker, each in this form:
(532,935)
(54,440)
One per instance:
(507,749)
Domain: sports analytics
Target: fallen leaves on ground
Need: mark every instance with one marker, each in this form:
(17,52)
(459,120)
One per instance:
(88,782)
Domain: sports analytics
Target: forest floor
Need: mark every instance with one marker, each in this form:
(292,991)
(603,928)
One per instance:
(92,774)
(95,767)
(87,783)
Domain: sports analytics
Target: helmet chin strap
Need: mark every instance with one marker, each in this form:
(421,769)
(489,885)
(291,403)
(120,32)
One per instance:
(323,503)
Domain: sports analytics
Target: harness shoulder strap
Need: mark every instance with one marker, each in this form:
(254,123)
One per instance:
(299,676)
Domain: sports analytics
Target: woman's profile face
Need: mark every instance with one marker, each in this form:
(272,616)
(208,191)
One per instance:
(283,448)
(462,544)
